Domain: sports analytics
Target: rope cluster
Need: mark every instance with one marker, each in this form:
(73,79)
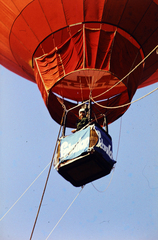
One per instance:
(115,107)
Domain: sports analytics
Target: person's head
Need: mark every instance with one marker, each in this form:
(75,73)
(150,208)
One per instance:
(82,113)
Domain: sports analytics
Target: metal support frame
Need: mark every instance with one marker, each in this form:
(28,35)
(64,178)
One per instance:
(64,124)
(90,110)
(105,123)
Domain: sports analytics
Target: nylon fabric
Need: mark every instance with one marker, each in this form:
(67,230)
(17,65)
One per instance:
(117,36)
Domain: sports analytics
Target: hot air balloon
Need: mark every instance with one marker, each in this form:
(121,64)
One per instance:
(81,52)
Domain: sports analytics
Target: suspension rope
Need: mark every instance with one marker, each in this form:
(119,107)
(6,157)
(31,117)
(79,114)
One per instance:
(46,179)
(81,88)
(108,184)
(143,60)
(78,105)
(118,146)
(24,192)
(64,213)
(61,101)
(126,104)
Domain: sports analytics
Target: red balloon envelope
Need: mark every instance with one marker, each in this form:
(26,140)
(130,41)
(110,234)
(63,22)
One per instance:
(76,50)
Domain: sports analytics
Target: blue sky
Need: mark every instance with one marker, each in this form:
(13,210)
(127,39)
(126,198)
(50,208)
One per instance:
(128,209)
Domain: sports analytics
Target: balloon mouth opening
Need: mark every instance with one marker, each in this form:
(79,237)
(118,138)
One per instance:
(83,84)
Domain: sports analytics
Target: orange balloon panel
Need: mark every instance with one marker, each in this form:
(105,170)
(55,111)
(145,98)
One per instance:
(74,49)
